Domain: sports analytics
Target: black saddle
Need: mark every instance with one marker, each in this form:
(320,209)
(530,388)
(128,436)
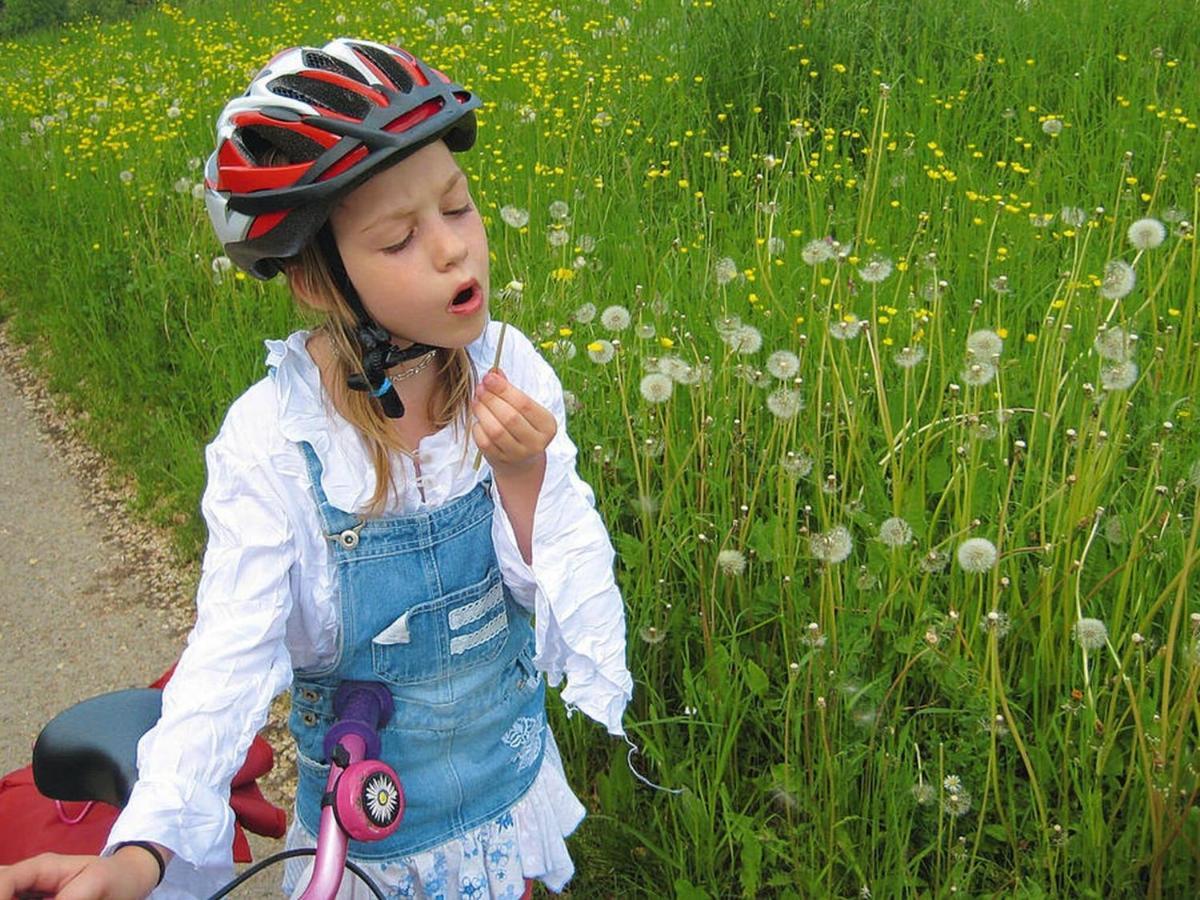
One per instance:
(89,751)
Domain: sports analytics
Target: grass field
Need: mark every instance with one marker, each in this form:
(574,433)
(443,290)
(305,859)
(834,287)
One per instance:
(879,323)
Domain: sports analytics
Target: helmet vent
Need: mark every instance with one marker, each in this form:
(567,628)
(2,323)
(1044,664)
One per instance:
(387,64)
(321,93)
(264,143)
(317,60)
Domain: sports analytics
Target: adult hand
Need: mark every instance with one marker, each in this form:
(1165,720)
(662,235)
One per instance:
(129,874)
(511,429)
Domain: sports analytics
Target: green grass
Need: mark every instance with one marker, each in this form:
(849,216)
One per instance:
(810,711)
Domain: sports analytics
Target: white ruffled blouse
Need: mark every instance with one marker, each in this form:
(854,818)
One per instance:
(268,603)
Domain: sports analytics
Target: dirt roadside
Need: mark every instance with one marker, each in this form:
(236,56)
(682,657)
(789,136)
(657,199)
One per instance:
(90,600)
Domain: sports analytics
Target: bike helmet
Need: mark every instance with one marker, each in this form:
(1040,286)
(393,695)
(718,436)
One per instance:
(337,115)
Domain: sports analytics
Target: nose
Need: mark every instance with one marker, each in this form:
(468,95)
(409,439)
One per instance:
(450,248)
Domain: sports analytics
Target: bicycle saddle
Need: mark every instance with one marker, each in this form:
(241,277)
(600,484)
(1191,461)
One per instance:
(89,751)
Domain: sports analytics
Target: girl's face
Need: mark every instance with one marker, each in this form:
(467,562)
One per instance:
(414,246)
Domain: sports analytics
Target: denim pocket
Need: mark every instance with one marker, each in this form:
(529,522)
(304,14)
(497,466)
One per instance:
(453,633)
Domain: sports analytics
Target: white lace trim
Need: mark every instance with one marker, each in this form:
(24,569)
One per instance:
(465,642)
(476,609)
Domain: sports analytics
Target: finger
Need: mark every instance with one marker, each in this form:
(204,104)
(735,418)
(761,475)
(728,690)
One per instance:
(515,420)
(538,417)
(504,428)
(44,874)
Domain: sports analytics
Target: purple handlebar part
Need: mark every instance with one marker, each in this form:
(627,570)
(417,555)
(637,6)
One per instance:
(362,707)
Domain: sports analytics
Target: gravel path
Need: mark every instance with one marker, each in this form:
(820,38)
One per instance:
(90,601)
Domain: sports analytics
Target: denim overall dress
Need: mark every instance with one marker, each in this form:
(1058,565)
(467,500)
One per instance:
(425,612)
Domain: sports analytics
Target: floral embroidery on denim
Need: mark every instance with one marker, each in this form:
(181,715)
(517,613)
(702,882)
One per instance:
(525,736)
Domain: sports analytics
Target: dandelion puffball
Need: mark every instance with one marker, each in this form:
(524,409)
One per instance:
(514,217)
(601,351)
(783,364)
(1091,634)
(1146,234)
(985,344)
(877,269)
(895,532)
(747,339)
(831,546)
(731,562)
(1119,377)
(1114,344)
(976,554)
(615,318)
(725,270)
(1118,281)
(656,387)
(784,403)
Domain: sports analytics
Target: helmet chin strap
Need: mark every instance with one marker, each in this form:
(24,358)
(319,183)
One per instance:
(374,343)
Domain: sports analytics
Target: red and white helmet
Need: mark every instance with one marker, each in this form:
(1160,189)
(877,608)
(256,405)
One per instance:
(337,115)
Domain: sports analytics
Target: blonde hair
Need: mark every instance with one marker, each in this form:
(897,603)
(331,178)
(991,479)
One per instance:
(448,403)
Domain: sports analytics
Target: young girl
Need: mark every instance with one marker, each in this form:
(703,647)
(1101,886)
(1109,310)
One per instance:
(352,535)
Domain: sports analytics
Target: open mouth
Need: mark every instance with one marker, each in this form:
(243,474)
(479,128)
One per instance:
(467,300)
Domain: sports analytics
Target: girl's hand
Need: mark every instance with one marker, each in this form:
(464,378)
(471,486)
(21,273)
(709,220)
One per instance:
(511,428)
(129,874)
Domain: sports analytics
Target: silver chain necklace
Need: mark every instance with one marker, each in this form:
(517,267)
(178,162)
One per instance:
(421,364)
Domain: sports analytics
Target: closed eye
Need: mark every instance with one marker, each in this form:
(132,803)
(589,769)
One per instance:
(396,248)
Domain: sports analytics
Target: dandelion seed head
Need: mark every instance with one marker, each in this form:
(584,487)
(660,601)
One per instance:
(847,328)
(221,264)
(615,318)
(924,793)
(978,373)
(601,351)
(652,635)
(784,403)
(745,340)
(126,176)
(1115,344)
(933,562)
(818,251)
(727,326)
(1052,126)
(877,269)
(956,803)
(514,217)
(895,532)
(995,622)
(1092,634)
(907,357)
(1146,234)
(644,330)
(558,237)
(585,314)
(796,464)
(831,546)
(976,554)
(559,210)
(985,344)
(1118,280)
(1119,377)
(676,369)
(1073,216)
(726,270)
(656,387)
(731,562)
(783,364)
(776,246)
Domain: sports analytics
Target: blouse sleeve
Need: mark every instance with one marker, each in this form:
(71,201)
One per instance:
(218,698)
(579,615)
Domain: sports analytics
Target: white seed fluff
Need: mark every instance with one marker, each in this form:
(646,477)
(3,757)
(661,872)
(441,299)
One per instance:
(1118,281)
(731,562)
(831,546)
(976,554)
(615,318)
(1146,234)
(1092,634)
(895,532)
(656,387)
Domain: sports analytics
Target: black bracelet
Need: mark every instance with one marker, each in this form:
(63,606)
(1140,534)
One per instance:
(153,851)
